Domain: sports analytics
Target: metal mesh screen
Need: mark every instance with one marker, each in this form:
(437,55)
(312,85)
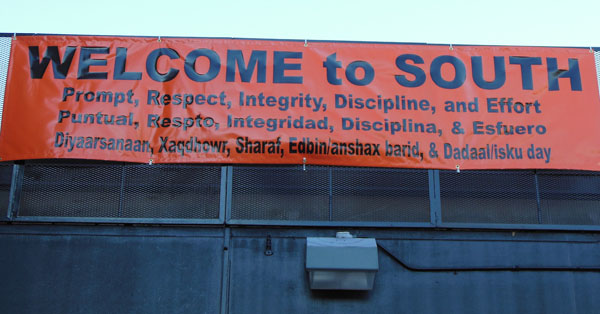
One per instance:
(5,43)
(6,170)
(571,198)
(171,191)
(389,195)
(280,193)
(108,190)
(330,194)
(489,197)
(82,190)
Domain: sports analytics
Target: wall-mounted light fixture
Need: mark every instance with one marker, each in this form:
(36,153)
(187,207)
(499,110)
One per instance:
(341,263)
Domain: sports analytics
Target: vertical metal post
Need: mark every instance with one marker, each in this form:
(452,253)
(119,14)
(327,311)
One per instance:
(226,192)
(122,191)
(537,197)
(330,192)
(225,272)
(223,194)
(435,204)
(16,185)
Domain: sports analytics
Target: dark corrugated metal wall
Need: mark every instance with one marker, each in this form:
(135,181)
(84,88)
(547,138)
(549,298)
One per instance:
(129,269)
(48,269)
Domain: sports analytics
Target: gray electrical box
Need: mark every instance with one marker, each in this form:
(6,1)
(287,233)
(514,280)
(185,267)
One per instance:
(341,263)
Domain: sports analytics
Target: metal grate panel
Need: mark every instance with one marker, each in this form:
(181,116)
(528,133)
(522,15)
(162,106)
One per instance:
(171,191)
(571,197)
(63,190)
(385,195)
(6,170)
(280,193)
(489,197)
(109,190)
(5,43)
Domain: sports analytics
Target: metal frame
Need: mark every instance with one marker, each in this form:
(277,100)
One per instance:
(320,223)
(298,40)
(15,191)
(330,222)
(14,204)
(490,226)
(225,273)
(439,223)
(225,209)
(435,203)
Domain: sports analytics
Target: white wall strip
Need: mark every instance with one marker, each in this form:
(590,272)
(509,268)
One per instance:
(597,57)
(5,43)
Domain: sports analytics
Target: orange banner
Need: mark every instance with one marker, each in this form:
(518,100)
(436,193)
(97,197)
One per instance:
(179,100)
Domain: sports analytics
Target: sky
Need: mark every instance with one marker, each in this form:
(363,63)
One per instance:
(479,22)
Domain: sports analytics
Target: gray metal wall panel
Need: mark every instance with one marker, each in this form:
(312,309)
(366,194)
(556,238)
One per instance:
(129,269)
(100,272)
(278,283)
(270,284)
(486,253)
